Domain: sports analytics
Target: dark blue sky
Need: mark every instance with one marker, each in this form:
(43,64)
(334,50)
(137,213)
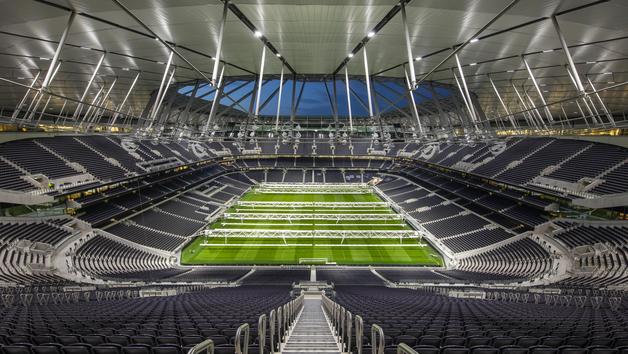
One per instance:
(314,100)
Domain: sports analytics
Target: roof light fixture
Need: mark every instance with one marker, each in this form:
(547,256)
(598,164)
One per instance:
(371,34)
(474,40)
(257,34)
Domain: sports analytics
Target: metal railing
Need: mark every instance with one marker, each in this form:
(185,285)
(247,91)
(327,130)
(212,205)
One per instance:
(206,346)
(403,348)
(377,339)
(261,332)
(281,321)
(359,333)
(242,347)
(342,324)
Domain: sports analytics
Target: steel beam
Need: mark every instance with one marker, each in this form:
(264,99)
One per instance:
(161,100)
(215,101)
(406,34)
(260,81)
(367,76)
(471,107)
(221,31)
(18,108)
(609,116)
(279,99)
(464,44)
(152,113)
(126,97)
(79,107)
(348,100)
(548,114)
(501,101)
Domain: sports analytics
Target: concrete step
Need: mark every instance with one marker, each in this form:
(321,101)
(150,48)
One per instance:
(311,333)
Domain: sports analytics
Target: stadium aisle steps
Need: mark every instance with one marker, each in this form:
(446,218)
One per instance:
(311,333)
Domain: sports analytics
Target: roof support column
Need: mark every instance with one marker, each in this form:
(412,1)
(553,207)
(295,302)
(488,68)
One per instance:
(221,31)
(584,97)
(470,106)
(406,34)
(260,81)
(153,112)
(53,63)
(103,102)
(499,97)
(93,103)
(410,85)
(572,65)
(367,75)
(32,107)
(216,101)
(18,108)
(608,114)
(548,114)
(65,102)
(161,100)
(293,110)
(79,108)
(348,99)
(528,113)
(43,110)
(126,97)
(279,99)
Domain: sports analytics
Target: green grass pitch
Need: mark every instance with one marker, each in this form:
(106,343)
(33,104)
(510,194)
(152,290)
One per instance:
(220,250)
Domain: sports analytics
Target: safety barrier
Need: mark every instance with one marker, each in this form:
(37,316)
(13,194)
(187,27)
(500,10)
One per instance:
(206,346)
(377,339)
(403,348)
(242,347)
(281,320)
(342,324)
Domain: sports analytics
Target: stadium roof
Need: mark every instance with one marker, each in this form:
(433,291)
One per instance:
(314,37)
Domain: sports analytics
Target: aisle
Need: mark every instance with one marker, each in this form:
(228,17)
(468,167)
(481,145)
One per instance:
(311,333)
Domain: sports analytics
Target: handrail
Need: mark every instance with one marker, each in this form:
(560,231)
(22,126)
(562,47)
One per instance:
(281,320)
(271,326)
(359,333)
(348,328)
(261,332)
(207,344)
(239,347)
(280,324)
(403,348)
(341,321)
(377,346)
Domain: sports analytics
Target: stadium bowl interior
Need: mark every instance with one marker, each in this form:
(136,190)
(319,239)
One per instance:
(236,176)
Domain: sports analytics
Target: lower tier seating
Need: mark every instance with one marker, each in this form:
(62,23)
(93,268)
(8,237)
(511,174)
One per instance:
(168,325)
(437,324)
(104,257)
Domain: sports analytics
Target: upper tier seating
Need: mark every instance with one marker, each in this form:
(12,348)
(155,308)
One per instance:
(72,150)
(570,159)
(10,178)
(35,159)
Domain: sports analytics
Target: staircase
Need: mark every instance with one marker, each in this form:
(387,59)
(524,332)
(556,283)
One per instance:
(311,333)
